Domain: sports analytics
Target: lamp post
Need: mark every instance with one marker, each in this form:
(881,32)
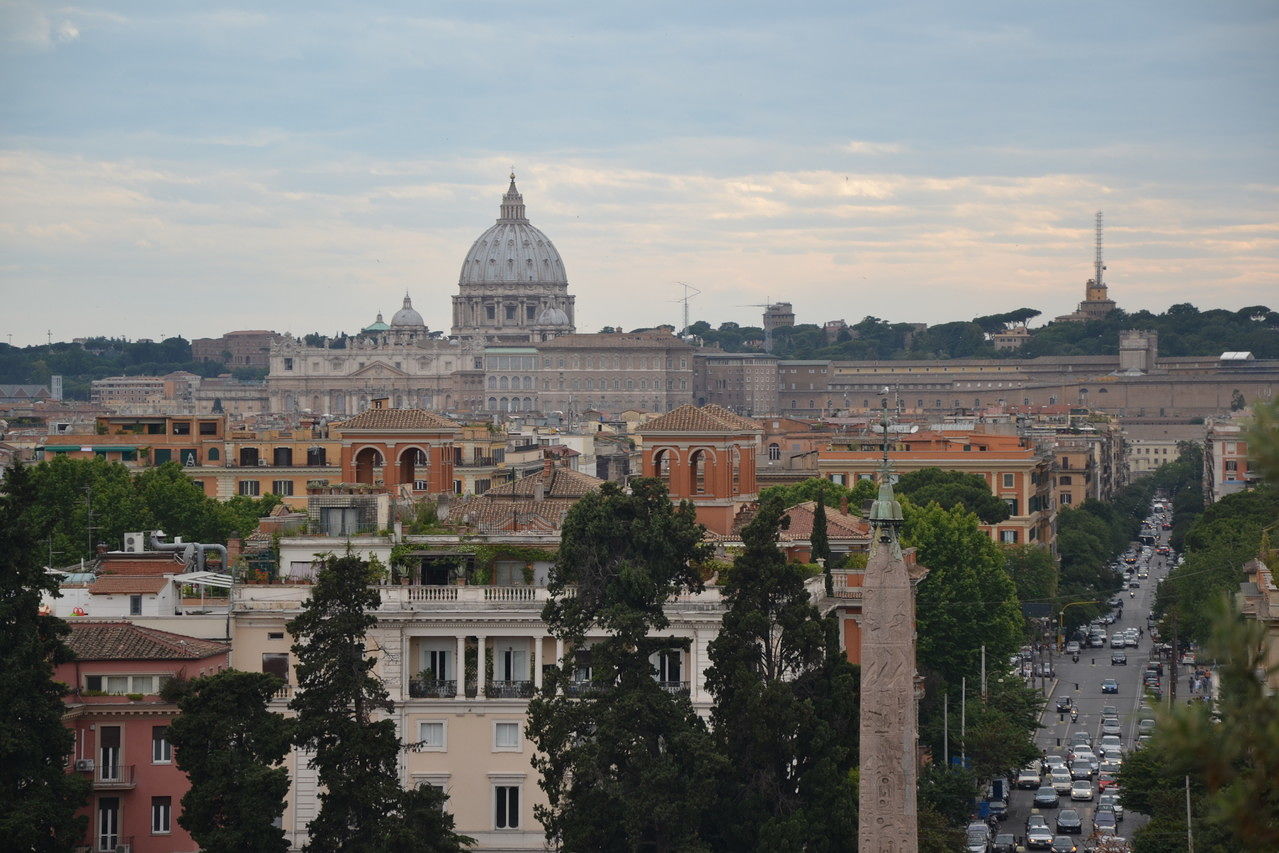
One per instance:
(1061,620)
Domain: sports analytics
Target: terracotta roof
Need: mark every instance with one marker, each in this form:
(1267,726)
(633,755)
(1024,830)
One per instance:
(515,514)
(126,641)
(711,418)
(120,584)
(838,525)
(375,419)
(559,483)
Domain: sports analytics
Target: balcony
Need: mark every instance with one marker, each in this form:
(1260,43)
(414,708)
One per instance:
(113,777)
(421,688)
(477,462)
(579,689)
(676,687)
(509,689)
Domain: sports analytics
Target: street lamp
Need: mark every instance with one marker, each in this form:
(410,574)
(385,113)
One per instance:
(1061,621)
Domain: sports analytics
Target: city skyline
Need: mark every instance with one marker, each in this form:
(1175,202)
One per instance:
(170,173)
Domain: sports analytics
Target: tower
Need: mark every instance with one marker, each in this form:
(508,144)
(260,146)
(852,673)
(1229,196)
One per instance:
(889,821)
(1096,289)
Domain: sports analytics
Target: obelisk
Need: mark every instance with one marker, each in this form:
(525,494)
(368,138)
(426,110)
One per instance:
(889,718)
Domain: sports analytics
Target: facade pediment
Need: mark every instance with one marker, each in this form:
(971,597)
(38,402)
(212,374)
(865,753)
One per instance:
(378,370)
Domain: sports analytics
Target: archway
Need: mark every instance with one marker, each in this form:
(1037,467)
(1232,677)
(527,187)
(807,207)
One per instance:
(365,462)
(662,466)
(413,462)
(697,471)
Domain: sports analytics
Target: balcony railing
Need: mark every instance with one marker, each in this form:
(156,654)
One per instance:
(509,689)
(108,776)
(579,689)
(421,688)
(284,692)
(678,687)
(111,842)
(478,462)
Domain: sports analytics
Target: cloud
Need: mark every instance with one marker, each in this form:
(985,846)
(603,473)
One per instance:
(861,146)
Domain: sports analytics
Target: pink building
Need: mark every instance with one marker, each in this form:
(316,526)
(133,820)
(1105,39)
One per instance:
(121,728)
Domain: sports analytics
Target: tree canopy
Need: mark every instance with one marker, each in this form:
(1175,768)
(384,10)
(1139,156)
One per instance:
(951,489)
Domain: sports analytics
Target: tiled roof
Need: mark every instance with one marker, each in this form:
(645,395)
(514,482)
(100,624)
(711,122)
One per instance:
(512,514)
(711,418)
(121,584)
(126,641)
(838,525)
(560,483)
(375,419)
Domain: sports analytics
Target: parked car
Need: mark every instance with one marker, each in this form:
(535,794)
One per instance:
(1046,797)
(977,838)
(1110,686)
(1146,726)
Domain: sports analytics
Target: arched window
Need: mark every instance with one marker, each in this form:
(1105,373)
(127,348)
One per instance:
(735,460)
(503,384)
(697,471)
(492,404)
(492,383)
(213,454)
(662,464)
(774,451)
(528,404)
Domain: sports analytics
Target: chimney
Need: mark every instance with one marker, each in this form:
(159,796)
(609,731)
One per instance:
(548,464)
(233,546)
(539,491)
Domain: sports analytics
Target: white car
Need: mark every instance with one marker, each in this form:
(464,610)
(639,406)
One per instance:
(1060,782)
(1110,746)
(1081,790)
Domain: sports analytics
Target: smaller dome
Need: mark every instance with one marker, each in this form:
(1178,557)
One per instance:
(406,316)
(552,316)
(378,325)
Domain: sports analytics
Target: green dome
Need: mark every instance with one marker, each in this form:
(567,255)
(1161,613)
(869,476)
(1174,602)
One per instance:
(377,325)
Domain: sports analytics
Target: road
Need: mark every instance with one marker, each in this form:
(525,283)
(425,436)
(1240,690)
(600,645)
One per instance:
(1082,683)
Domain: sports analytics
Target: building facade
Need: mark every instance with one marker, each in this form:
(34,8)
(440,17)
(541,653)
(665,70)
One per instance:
(610,372)
(247,348)
(741,382)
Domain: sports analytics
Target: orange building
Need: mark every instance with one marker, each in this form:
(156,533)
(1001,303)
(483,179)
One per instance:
(706,455)
(1016,472)
(401,450)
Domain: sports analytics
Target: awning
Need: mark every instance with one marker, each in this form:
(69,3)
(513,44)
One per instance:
(86,448)
(204,579)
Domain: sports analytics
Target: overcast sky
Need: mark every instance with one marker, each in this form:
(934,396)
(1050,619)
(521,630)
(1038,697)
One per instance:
(193,168)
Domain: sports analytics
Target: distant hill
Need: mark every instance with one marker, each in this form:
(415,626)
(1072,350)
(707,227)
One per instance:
(80,363)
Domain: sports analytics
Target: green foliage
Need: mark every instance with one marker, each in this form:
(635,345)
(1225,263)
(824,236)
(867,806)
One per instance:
(1232,762)
(786,707)
(343,719)
(948,791)
(230,746)
(821,489)
(1033,570)
(967,599)
(626,765)
(951,489)
(38,798)
(1263,441)
(97,358)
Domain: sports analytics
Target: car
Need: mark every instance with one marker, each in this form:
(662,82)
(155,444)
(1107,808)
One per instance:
(1038,835)
(1097,641)
(1165,526)
(1109,711)
(1060,783)
(1118,659)
(1072,648)
(1110,800)
(1134,585)
(1142,740)
(1143,574)
(1145,726)
(1050,761)
(1110,686)
(998,809)
(1081,790)
(1046,797)
(1028,778)
(1005,842)
(1082,770)
(1104,822)
(1106,781)
(1069,821)
(1118,640)
(1110,746)
(1111,727)
(1063,844)
(977,838)
(1064,704)
(1111,767)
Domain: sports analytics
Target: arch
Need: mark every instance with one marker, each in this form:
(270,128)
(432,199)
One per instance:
(528,404)
(492,383)
(315,402)
(526,384)
(366,460)
(411,459)
(697,471)
(213,454)
(503,384)
(662,458)
(774,452)
(492,404)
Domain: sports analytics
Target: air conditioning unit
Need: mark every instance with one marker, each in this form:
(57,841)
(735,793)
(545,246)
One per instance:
(84,764)
(135,543)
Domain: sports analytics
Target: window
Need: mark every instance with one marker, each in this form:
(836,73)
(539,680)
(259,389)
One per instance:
(213,454)
(1009,480)
(506,737)
(161,752)
(283,488)
(431,736)
(507,807)
(1065,499)
(1012,505)
(181,428)
(774,452)
(510,312)
(288,364)
(275,635)
(1232,465)
(161,814)
(135,605)
(108,823)
(277,664)
(250,487)
(1065,480)
(208,427)
(120,685)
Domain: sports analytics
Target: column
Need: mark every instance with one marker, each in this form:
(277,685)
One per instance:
(481,677)
(559,651)
(459,667)
(694,670)
(535,661)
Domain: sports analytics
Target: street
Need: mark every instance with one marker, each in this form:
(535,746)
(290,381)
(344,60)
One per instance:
(1082,683)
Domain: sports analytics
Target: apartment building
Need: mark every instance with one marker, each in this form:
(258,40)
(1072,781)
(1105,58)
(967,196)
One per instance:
(1225,460)
(741,382)
(172,393)
(1149,445)
(1017,471)
(803,387)
(121,730)
(611,372)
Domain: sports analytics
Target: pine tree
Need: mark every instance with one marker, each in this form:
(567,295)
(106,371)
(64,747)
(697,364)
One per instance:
(230,746)
(786,707)
(821,546)
(625,764)
(343,719)
(38,798)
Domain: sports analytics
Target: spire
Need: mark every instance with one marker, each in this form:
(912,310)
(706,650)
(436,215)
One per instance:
(885,512)
(512,204)
(408,303)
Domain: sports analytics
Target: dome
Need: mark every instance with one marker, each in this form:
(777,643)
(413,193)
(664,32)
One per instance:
(406,316)
(378,325)
(512,250)
(552,316)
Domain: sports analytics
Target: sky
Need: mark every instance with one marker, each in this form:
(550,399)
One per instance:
(187,168)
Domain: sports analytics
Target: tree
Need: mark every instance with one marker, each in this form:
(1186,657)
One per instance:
(821,546)
(823,490)
(953,488)
(1033,570)
(39,798)
(786,706)
(967,599)
(343,719)
(625,764)
(230,746)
